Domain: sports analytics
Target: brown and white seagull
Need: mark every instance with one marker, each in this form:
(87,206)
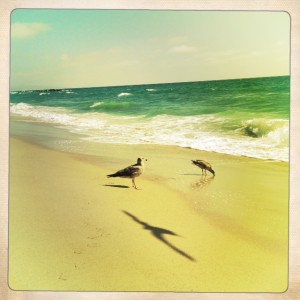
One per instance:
(131,171)
(204,165)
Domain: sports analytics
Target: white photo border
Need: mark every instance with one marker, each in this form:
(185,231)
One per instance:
(292,7)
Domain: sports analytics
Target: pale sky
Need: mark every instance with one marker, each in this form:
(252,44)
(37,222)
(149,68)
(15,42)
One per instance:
(91,48)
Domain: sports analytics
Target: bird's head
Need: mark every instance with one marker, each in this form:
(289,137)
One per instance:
(140,160)
(212,172)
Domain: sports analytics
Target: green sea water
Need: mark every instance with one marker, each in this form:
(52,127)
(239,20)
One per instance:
(240,117)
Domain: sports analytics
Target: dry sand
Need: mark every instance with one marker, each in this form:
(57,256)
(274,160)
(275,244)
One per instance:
(71,228)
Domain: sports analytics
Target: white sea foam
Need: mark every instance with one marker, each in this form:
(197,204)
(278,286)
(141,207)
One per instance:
(40,113)
(151,90)
(199,132)
(124,94)
(96,104)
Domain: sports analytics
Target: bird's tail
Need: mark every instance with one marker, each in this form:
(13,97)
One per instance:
(111,175)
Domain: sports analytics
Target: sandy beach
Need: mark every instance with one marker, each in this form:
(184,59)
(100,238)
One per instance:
(73,229)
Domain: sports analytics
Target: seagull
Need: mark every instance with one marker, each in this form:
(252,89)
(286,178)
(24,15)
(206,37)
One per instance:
(131,171)
(204,166)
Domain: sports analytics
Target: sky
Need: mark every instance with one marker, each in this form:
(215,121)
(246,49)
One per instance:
(92,48)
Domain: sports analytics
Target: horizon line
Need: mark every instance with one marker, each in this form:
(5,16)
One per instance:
(140,84)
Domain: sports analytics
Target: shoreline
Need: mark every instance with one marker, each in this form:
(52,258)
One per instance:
(93,135)
(51,131)
(71,228)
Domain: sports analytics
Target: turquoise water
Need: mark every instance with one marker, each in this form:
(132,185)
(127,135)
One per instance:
(240,117)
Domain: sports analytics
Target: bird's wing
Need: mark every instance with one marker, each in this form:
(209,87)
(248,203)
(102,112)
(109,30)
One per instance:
(204,163)
(197,162)
(208,164)
(130,171)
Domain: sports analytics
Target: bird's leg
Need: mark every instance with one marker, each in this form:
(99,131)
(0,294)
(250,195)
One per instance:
(133,184)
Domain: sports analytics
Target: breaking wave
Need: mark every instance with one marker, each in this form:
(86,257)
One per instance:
(259,138)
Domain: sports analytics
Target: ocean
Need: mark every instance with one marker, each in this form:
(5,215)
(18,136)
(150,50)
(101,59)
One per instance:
(242,117)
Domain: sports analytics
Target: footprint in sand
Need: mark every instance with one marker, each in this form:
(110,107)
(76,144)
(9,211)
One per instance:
(77,251)
(62,277)
(92,245)
(78,267)
(92,237)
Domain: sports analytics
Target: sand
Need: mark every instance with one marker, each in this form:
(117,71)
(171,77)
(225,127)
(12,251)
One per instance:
(73,229)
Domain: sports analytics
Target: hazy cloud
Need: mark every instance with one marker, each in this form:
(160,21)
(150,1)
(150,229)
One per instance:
(182,49)
(178,39)
(28,30)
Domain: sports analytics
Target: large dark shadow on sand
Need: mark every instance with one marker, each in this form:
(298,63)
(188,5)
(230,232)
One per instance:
(159,234)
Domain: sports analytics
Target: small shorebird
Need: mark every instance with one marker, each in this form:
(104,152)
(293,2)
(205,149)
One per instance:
(203,165)
(131,171)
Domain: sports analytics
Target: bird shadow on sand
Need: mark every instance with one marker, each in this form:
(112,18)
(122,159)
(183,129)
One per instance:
(117,186)
(159,233)
(192,174)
